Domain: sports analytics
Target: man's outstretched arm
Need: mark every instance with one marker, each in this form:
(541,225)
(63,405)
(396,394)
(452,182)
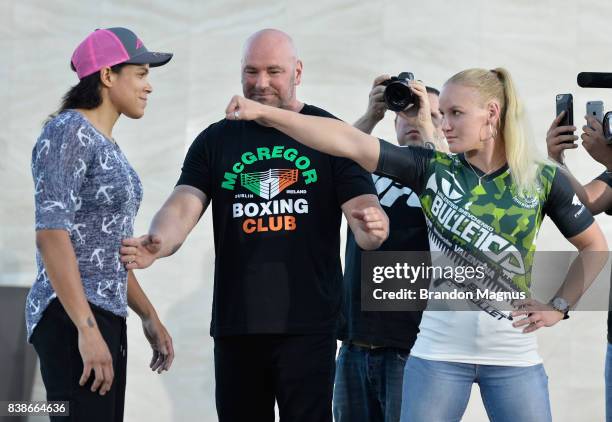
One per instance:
(367,220)
(169,228)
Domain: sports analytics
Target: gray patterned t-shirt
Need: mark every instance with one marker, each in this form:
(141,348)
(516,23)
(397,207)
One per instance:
(83,184)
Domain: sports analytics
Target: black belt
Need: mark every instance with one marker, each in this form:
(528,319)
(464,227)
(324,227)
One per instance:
(364,345)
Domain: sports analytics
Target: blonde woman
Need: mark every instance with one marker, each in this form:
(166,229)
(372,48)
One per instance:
(503,192)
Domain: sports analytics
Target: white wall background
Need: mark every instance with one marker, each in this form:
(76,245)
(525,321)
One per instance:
(344,45)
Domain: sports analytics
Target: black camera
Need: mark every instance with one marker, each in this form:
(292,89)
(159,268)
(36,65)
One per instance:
(398,95)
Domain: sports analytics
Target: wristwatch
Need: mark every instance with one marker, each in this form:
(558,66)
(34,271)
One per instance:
(429,145)
(561,305)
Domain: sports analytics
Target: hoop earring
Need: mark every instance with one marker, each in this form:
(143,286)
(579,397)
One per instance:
(493,132)
(492,135)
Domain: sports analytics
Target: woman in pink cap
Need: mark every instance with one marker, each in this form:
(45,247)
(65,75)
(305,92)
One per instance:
(86,198)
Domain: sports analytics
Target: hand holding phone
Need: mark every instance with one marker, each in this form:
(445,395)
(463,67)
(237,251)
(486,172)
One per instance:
(595,109)
(560,135)
(565,103)
(596,140)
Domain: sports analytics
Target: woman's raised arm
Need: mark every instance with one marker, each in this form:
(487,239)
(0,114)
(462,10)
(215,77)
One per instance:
(324,134)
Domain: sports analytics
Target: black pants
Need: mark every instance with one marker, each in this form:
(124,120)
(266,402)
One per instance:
(55,339)
(296,370)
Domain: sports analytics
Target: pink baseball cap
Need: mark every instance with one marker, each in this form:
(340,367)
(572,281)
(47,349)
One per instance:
(111,46)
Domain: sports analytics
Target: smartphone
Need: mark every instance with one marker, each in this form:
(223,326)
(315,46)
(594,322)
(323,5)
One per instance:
(595,109)
(565,102)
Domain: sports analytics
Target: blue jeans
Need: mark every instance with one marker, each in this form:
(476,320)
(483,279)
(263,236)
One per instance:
(439,391)
(368,385)
(609,383)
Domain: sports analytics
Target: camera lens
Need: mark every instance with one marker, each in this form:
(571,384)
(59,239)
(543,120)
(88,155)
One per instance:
(398,96)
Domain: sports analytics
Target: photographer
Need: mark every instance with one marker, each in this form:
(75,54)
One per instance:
(375,345)
(596,195)
(419,125)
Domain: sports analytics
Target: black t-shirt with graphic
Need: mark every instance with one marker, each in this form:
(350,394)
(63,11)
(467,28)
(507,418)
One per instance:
(605,177)
(276,222)
(407,232)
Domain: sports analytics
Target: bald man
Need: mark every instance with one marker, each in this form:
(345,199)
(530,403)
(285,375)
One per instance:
(277,208)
